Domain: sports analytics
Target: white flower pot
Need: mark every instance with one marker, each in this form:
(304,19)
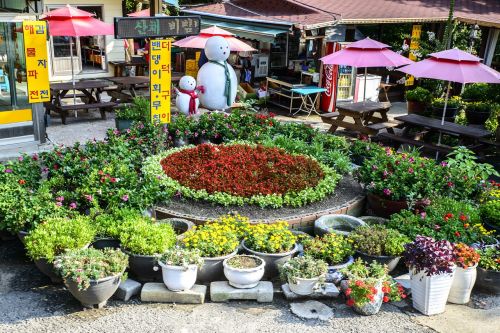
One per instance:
(429,293)
(303,287)
(463,282)
(178,278)
(244,278)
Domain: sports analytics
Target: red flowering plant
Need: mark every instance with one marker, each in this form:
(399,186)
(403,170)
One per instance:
(370,282)
(400,176)
(465,256)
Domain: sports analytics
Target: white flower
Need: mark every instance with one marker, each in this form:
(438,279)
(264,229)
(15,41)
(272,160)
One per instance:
(405,46)
(431,35)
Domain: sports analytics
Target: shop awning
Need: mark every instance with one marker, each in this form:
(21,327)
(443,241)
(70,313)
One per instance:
(263,34)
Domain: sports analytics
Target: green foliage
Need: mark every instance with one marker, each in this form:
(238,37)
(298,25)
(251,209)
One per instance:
(333,248)
(419,94)
(139,110)
(453,102)
(84,266)
(56,235)
(110,224)
(490,211)
(378,240)
(179,256)
(270,238)
(490,259)
(304,267)
(212,239)
(141,237)
(476,92)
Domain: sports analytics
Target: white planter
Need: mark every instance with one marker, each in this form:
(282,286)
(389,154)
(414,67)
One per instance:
(303,286)
(178,278)
(244,278)
(463,282)
(429,293)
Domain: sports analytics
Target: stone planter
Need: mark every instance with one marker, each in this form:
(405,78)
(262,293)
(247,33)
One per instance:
(488,280)
(338,223)
(273,260)
(213,269)
(47,269)
(21,235)
(373,307)
(461,287)
(180,225)
(491,226)
(98,293)
(123,124)
(373,220)
(143,268)
(302,286)
(102,243)
(334,274)
(390,261)
(430,293)
(178,278)
(244,278)
(415,107)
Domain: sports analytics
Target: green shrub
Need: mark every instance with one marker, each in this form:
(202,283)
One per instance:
(137,111)
(378,240)
(490,211)
(332,248)
(110,224)
(56,235)
(419,94)
(478,106)
(453,102)
(304,267)
(142,237)
(478,92)
(490,259)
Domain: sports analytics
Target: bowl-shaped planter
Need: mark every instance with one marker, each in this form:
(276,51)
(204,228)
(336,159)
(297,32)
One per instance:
(491,226)
(178,278)
(248,274)
(430,293)
(105,242)
(461,287)
(488,280)
(98,293)
(47,268)
(334,274)
(143,268)
(373,220)
(21,235)
(302,286)
(180,225)
(338,223)
(390,261)
(450,114)
(213,269)
(273,260)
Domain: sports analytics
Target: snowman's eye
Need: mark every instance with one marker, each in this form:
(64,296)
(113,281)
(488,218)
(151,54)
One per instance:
(221,47)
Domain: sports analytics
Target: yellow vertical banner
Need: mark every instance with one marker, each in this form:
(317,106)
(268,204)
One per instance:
(160,80)
(414,45)
(35,51)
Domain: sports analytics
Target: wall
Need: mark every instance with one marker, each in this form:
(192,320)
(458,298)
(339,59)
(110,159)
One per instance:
(114,47)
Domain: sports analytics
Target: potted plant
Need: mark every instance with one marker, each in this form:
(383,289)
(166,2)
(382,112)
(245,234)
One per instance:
(107,231)
(244,271)
(466,259)
(488,271)
(334,249)
(452,107)
(274,243)
(379,243)
(362,148)
(370,285)
(478,112)
(490,212)
(137,111)
(431,265)
(52,238)
(180,129)
(143,241)
(181,226)
(396,180)
(179,268)
(339,223)
(92,276)
(417,99)
(216,242)
(303,274)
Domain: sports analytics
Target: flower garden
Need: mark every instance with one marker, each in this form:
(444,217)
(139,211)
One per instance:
(85,213)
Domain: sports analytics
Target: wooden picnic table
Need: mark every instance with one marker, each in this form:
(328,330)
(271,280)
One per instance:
(89,92)
(471,137)
(363,115)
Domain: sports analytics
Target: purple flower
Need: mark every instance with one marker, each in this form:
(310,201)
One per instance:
(387,191)
(59,204)
(116,132)
(125,197)
(72,205)
(60,199)
(410,170)
(374,167)
(385,173)
(8,170)
(443,163)
(20,158)
(141,126)
(423,215)
(128,131)
(89,197)
(411,160)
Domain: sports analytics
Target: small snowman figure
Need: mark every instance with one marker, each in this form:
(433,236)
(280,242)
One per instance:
(187,99)
(217,77)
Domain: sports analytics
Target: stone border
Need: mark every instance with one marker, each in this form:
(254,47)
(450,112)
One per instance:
(354,207)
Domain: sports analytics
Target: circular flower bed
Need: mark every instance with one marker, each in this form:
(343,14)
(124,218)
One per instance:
(241,173)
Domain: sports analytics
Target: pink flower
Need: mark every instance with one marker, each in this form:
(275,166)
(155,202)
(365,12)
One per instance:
(59,204)
(72,205)
(387,191)
(443,163)
(88,197)
(411,160)
(410,170)
(60,199)
(20,158)
(374,167)
(423,215)
(8,170)
(125,197)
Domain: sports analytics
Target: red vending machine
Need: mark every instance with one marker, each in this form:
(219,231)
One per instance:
(337,80)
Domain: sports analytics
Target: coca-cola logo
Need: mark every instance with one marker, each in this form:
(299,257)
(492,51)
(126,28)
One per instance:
(329,80)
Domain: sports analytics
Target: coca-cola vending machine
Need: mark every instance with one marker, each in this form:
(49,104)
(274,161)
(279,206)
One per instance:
(337,80)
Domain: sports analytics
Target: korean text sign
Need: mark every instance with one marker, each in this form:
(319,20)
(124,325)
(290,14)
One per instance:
(37,71)
(160,80)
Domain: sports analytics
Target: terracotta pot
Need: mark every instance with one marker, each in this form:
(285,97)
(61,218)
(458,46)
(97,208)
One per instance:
(415,107)
(384,207)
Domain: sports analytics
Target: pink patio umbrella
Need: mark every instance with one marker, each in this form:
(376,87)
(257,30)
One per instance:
(454,66)
(198,42)
(366,53)
(74,22)
(141,13)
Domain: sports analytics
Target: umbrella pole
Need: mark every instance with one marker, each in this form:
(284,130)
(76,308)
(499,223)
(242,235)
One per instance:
(444,113)
(72,71)
(364,86)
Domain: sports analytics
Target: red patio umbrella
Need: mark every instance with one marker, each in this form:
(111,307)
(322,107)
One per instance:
(366,53)
(198,42)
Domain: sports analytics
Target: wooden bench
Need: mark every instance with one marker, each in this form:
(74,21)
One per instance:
(387,125)
(329,115)
(417,143)
(63,109)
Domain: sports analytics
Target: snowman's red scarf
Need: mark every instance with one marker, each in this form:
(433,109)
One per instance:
(192,100)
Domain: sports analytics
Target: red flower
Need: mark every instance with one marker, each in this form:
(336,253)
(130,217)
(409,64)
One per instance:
(386,299)
(457,234)
(22,181)
(403,295)
(450,184)
(373,290)
(359,283)
(370,297)
(466,225)
(348,291)
(350,302)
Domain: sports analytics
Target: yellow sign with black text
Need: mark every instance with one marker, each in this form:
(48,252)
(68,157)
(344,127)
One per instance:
(160,76)
(35,51)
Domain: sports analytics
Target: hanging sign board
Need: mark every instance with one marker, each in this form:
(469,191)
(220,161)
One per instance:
(158,26)
(414,45)
(160,80)
(35,51)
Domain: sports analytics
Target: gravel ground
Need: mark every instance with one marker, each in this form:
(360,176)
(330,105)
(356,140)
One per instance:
(346,190)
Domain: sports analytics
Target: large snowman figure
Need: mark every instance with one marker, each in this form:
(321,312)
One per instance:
(187,99)
(217,77)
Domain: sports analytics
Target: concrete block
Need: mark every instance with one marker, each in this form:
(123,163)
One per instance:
(312,310)
(221,291)
(127,289)
(157,292)
(329,290)
(404,280)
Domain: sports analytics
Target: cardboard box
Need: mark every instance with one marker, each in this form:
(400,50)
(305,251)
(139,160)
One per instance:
(245,91)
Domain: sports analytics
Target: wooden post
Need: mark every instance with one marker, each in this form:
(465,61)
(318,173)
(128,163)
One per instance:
(155,7)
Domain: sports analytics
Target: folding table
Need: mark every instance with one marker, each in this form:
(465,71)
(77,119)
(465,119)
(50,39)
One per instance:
(309,95)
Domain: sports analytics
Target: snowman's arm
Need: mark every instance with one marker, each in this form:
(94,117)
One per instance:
(201,89)
(176,91)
